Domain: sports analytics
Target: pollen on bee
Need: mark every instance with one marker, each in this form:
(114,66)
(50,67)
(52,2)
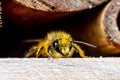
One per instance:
(56,44)
(101,56)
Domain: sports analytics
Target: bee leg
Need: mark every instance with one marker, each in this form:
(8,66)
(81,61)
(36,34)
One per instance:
(50,51)
(31,52)
(39,51)
(44,49)
(81,52)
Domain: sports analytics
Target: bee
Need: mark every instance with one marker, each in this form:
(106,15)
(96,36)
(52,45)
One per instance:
(57,44)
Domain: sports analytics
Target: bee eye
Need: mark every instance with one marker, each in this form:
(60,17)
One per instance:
(70,44)
(55,43)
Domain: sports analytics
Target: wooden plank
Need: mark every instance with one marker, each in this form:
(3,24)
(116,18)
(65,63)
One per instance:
(59,69)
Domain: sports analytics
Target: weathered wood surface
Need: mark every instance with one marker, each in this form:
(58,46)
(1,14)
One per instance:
(33,13)
(60,69)
(61,5)
(103,29)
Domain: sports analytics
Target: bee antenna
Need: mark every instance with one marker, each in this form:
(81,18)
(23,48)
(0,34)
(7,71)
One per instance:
(51,53)
(88,44)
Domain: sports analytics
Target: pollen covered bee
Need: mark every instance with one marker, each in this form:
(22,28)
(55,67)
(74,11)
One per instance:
(57,44)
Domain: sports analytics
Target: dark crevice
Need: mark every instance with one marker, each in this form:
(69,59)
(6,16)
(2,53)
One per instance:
(118,20)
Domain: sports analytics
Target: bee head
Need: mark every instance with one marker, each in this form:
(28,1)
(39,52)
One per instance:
(62,46)
(61,43)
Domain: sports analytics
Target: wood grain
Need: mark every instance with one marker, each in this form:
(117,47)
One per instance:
(33,13)
(61,5)
(60,69)
(102,29)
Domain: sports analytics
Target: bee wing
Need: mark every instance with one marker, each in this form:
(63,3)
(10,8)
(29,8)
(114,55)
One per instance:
(33,40)
(26,55)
